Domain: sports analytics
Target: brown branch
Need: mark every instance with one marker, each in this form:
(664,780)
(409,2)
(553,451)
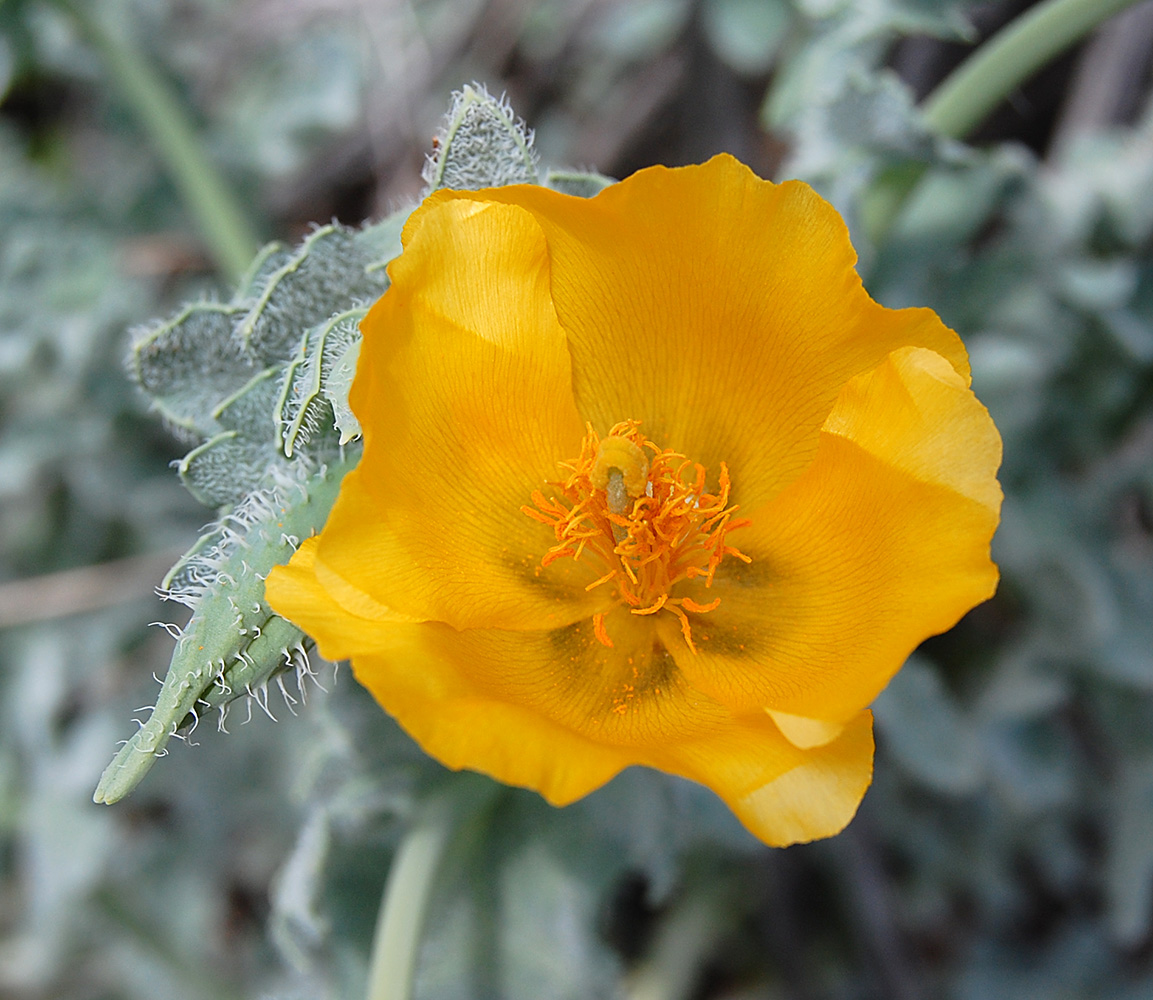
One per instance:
(89,588)
(1106,85)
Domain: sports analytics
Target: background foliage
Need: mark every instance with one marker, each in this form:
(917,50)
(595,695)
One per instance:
(1006,847)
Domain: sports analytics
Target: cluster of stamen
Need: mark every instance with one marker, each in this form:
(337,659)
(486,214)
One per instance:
(643,516)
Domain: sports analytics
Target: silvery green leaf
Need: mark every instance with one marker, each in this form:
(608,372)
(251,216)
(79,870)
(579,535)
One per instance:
(189,363)
(932,17)
(7,66)
(310,403)
(1019,689)
(634,30)
(234,643)
(1123,651)
(268,259)
(864,116)
(226,468)
(336,388)
(520,918)
(548,931)
(481,144)
(1030,765)
(1132,332)
(814,75)
(648,821)
(953,201)
(380,241)
(1096,284)
(575,182)
(360,776)
(534,881)
(1107,176)
(330,270)
(249,410)
(285,104)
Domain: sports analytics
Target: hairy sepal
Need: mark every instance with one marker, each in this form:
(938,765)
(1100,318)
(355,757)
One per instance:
(233,644)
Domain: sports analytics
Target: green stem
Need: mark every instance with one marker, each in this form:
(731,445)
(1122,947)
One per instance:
(963,100)
(1009,58)
(223,222)
(399,928)
(683,943)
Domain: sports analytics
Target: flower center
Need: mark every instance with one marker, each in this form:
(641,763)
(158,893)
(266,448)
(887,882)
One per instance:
(644,517)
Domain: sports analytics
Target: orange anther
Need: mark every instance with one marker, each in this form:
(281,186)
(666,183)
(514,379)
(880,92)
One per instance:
(599,630)
(643,517)
(654,608)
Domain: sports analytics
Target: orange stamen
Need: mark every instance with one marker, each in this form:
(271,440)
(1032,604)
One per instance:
(644,516)
(686,628)
(599,629)
(654,609)
(604,579)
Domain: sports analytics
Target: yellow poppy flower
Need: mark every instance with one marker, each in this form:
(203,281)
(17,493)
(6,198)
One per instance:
(648,478)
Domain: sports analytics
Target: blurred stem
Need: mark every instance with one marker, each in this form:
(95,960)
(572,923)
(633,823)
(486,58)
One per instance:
(224,224)
(1009,58)
(689,934)
(400,926)
(966,97)
(684,942)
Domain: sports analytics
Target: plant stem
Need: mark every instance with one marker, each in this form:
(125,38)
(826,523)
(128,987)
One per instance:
(223,222)
(962,101)
(396,945)
(1010,57)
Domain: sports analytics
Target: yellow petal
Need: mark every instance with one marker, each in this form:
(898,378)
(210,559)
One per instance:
(720,310)
(782,794)
(882,542)
(295,593)
(935,429)
(803,732)
(723,313)
(528,708)
(487,700)
(463,389)
(561,713)
(626,695)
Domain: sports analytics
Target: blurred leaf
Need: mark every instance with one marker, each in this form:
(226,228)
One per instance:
(746,34)
(1018,689)
(927,733)
(1031,764)
(285,101)
(636,29)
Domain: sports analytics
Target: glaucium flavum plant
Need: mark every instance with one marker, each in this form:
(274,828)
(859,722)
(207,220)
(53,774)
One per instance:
(630,473)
